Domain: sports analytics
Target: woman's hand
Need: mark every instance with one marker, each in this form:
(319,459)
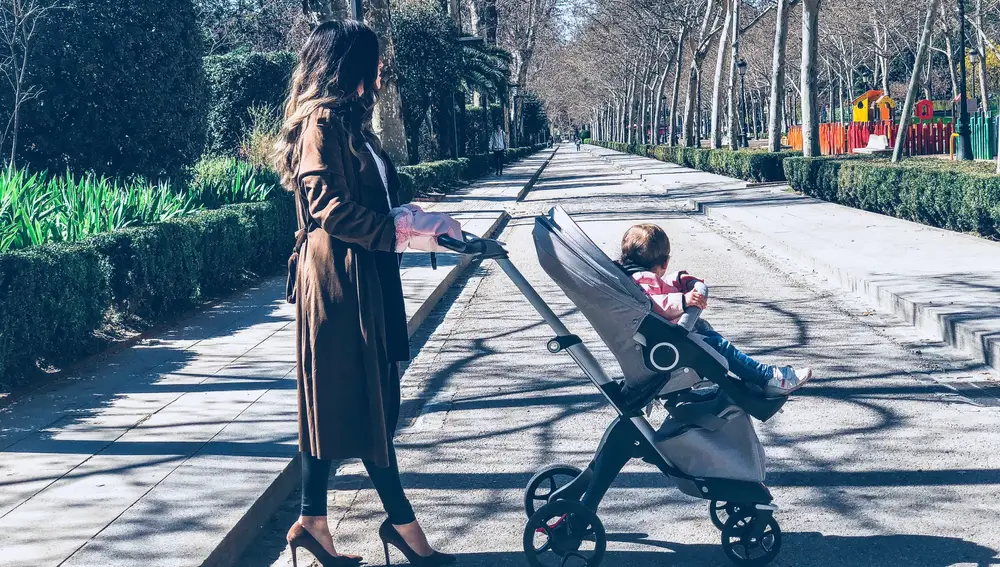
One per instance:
(419,230)
(695,299)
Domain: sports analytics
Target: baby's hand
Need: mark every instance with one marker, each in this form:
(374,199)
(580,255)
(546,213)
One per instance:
(695,299)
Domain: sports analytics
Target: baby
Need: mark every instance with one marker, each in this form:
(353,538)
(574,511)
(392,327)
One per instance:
(645,254)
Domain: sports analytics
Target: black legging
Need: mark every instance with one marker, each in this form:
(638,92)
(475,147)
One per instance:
(498,161)
(316,472)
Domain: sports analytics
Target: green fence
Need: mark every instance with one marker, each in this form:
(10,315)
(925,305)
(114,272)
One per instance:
(984,135)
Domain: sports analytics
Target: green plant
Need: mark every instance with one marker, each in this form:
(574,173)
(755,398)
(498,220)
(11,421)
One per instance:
(259,134)
(958,196)
(122,89)
(224,181)
(36,208)
(238,83)
(752,165)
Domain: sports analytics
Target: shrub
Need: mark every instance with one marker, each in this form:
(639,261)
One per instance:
(54,297)
(752,165)
(956,196)
(224,181)
(240,82)
(122,89)
(815,176)
(51,299)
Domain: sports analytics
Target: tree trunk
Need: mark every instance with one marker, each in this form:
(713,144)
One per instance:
(675,90)
(911,92)
(981,67)
(720,58)
(949,52)
(778,75)
(735,123)
(810,46)
(388,118)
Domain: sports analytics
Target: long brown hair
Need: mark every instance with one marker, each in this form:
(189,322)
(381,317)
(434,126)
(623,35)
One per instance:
(336,58)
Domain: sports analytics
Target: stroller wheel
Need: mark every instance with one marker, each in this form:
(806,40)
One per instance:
(743,547)
(720,511)
(570,531)
(544,483)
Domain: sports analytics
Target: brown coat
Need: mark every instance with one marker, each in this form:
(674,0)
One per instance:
(350,316)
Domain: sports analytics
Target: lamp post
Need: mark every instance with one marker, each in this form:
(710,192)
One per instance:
(516,95)
(964,150)
(663,105)
(741,66)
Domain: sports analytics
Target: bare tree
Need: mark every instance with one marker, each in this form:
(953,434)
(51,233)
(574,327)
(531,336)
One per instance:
(778,75)
(911,92)
(19,20)
(720,58)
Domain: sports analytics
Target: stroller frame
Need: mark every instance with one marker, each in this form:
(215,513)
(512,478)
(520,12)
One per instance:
(629,436)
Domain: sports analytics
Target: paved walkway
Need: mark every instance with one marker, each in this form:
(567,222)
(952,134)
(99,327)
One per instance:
(874,464)
(175,451)
(945,283)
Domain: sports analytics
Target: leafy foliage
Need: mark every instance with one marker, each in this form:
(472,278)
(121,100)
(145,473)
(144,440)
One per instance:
(123,89)
(240,84)
(36,208)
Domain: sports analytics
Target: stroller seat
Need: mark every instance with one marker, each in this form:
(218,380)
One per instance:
(648,347)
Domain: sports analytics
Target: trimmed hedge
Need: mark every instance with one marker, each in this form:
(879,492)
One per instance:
(957,196)
(237,82)
(421,178)
(751,165)
(122,89)
(54,297)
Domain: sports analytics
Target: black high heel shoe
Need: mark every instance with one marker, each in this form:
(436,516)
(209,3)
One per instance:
(298,537)
(388,534)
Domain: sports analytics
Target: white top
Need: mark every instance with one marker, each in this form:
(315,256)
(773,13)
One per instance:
(381,172)
(498,141)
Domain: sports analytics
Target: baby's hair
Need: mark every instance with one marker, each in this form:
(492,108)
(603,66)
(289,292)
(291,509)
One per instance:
(645,245)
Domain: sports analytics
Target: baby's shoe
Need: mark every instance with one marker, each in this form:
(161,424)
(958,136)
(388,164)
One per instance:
(786,380)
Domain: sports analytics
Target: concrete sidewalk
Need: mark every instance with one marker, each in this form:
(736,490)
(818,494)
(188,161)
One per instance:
(176,450)
(945,283)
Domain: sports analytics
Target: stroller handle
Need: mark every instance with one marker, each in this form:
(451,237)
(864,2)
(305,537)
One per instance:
(472,245)
(691,314)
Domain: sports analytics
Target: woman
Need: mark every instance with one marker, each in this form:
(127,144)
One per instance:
(351,324)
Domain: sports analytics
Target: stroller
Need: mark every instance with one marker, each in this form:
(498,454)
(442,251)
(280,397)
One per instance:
(706,445)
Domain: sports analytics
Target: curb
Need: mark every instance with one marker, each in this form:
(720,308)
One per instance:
(233,544)
(531,182)
(923,317)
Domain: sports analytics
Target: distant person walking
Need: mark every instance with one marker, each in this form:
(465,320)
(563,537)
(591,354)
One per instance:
(498,145)
(577,143)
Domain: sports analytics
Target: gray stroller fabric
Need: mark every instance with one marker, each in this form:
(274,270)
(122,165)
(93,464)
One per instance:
(609,299)
(724,445)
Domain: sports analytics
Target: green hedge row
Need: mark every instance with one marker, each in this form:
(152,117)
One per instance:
(957,196)
(421,178)
(53,297)
(751,165)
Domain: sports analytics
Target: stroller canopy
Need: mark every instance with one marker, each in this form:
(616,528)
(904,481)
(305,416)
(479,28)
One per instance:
(607,296)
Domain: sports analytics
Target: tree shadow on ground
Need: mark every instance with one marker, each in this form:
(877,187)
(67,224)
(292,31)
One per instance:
(798,548)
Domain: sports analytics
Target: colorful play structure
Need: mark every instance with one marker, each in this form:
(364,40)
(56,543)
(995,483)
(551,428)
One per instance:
(931,128)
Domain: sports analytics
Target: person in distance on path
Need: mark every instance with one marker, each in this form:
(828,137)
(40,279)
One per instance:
(498,145)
